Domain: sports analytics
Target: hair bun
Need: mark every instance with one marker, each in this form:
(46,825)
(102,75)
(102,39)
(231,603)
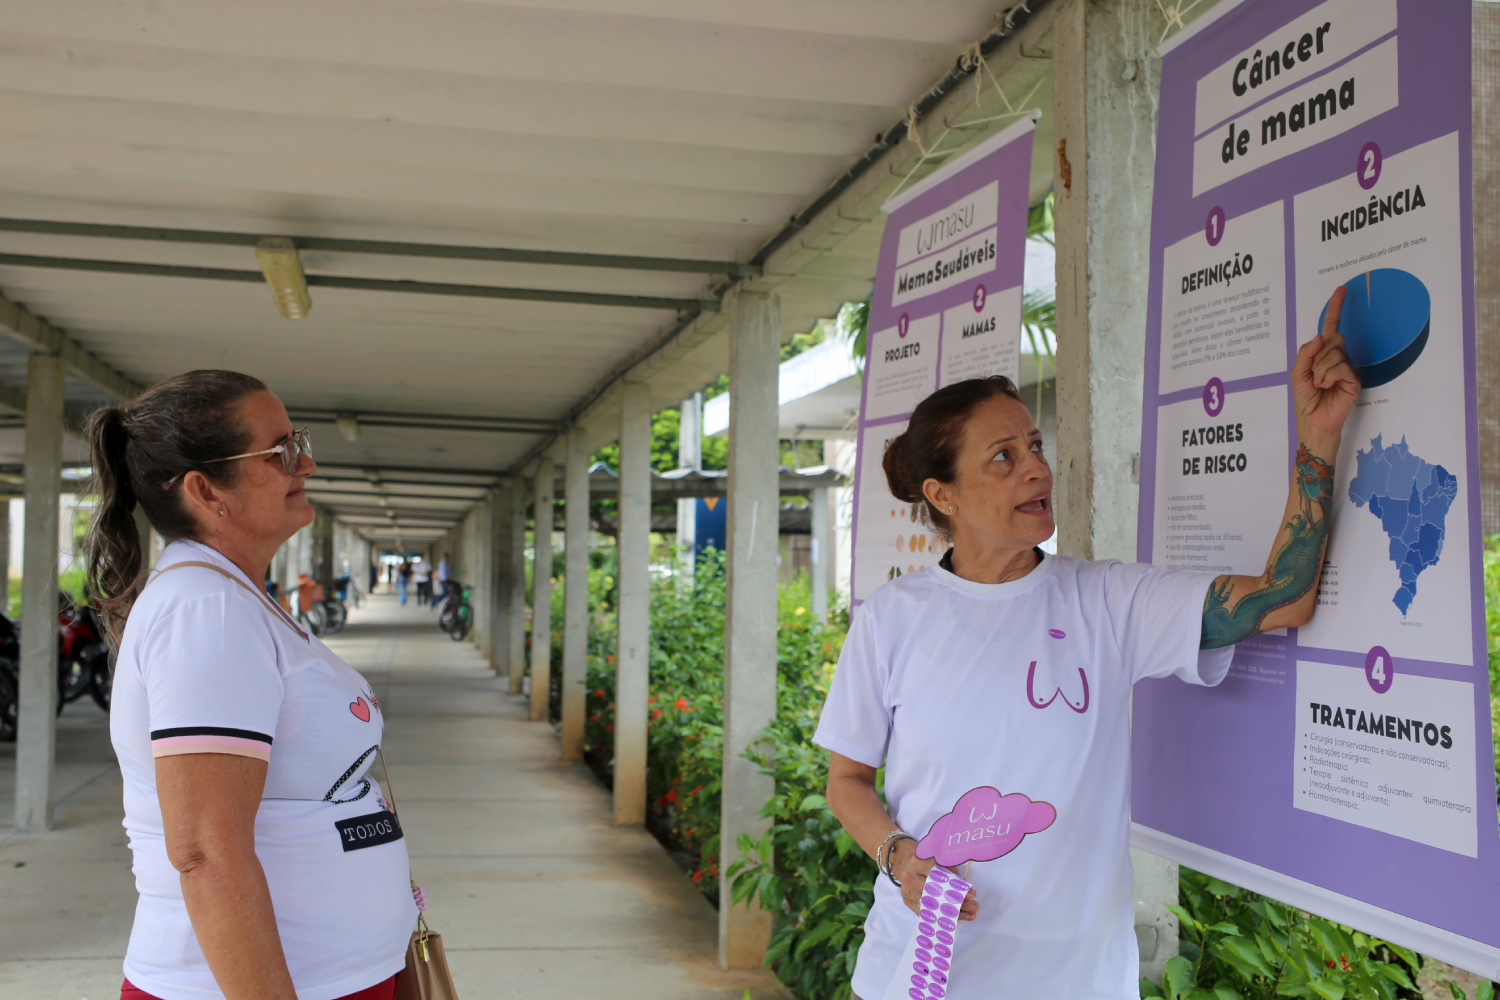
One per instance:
(900,478)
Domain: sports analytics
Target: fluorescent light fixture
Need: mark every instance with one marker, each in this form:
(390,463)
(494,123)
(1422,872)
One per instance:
(348,424)
(282,266)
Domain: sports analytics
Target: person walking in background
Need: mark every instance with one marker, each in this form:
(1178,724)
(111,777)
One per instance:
(421,575)
(444,572)
(247,888)
(403,579)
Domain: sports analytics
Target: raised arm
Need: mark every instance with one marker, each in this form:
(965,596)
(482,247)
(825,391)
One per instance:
(1324,388)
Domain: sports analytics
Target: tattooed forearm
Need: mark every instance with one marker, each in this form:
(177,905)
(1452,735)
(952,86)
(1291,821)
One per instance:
(1237,607)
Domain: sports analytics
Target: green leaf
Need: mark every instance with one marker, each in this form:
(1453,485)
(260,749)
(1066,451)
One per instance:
(1224,927)
(1486,991)
(811,802)
(1328,989)
(1296,990)
(1458,994)
(1177,977)
(1244,955)
(1149,990)
(1184,916)
(1407,955)
(842,842)
(1395,974)
(1226,992)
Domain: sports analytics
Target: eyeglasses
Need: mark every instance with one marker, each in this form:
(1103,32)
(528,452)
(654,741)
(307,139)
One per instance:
(291,451)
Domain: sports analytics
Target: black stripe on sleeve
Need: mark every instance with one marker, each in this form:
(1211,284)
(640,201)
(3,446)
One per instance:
(244,734)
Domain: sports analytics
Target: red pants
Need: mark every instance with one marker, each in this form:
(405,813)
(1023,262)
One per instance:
(380,991)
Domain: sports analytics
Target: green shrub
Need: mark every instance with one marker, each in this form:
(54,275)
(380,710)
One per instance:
(685,731)
(1237,945)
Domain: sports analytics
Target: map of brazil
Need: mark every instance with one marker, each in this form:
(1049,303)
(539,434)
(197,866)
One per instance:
(1411,497)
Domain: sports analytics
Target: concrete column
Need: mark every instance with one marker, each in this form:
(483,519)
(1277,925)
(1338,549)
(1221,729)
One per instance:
(324,568)
(4,555)
(515,593)
(496,562)
(689,456)
(541,588)
(144,530)
(750,618)
(1106,82)
(1486,184)
(575,594)
(633,648)
(818,572)
(36,726)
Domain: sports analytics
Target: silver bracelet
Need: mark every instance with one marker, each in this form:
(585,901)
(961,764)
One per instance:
(894,833)
(894,839)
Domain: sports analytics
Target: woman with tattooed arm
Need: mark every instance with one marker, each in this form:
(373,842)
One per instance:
(1008,667)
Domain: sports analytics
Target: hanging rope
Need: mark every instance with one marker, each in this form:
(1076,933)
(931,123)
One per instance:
(1174,15)
(971,60)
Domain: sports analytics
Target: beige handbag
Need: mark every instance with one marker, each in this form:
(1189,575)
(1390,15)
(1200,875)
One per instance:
(426,976)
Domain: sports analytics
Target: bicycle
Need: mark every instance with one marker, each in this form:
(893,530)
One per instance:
(457,616)
(323,615)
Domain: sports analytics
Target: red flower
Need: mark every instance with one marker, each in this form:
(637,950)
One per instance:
(593,718)
(695,791)
(656,715)
(599,693)
(662,802)
(697,876)
(671,796)
(681,705)
(1329,963)
(609,728)
(610,658)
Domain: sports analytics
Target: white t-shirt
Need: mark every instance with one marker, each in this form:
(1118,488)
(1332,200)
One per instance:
(420,573)
(1024,686)
(207,666)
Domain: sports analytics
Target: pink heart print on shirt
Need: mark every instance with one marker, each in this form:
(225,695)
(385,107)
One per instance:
(360,709)
(984,825)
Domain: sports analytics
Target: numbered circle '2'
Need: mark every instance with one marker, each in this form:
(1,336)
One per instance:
(1380,669)
(1368,167)
(1213,229)
(980,295)
(1213,397)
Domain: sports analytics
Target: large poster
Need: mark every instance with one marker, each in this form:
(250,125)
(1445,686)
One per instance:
(946,307)
(1345,767)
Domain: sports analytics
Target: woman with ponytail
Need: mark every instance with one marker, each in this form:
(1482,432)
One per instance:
(267,864)
(1007,670)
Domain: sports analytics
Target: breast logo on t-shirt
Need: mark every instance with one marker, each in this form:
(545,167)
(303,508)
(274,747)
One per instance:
(1046,685)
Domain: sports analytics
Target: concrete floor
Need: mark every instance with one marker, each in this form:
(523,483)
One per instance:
(489,814)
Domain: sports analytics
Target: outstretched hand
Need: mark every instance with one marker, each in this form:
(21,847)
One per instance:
(1324,384)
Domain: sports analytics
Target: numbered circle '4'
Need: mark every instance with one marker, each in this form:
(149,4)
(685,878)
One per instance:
(1380,669)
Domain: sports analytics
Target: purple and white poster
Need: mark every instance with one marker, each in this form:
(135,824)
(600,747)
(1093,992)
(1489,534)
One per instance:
(1344,767)
(946,307)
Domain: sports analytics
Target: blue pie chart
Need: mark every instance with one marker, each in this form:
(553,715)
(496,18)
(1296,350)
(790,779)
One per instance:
(1385,320)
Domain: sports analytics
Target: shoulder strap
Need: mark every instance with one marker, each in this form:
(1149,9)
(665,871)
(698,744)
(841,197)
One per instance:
(280,612)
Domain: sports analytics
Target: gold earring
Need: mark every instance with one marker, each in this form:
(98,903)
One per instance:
(952,509)
(221,513)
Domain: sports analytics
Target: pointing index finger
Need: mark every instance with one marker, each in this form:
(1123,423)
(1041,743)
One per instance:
(1331,316)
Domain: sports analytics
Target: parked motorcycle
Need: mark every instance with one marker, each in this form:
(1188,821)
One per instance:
(83,662)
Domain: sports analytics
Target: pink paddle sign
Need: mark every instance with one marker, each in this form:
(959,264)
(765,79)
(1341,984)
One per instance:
(984,825)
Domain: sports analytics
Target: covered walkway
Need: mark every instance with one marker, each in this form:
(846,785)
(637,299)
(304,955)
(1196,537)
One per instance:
(490,814)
